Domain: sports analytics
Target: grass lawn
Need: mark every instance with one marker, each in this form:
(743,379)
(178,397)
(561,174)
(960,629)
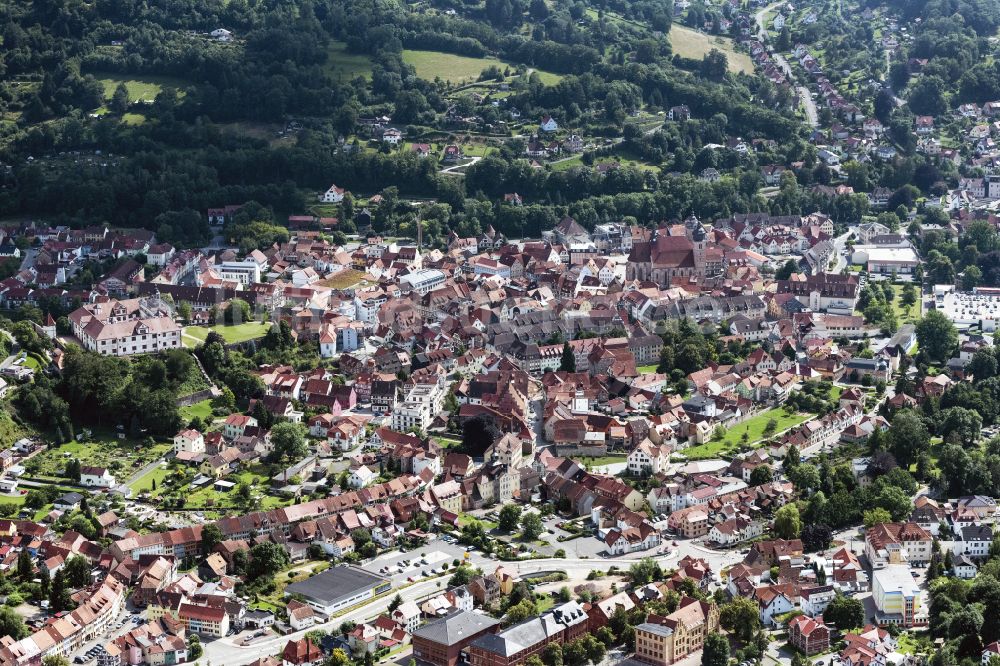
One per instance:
(477,150)
(447,66)
(145,482)
(545,602)
(35,362)
(202,410)
(565,165)
(754,427)
(347,65)
(175,480)
(139,88)
(11,504)
(905,315)
(914,643)
(690,43)
(123,457)
(194,335)
(213,500)
(603,460)
(643,369)
(547,78)
(343,280)
(446,442)
(458,69)
(465,519)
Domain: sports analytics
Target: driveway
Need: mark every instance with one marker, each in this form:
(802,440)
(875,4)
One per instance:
(452,170)
(808,104)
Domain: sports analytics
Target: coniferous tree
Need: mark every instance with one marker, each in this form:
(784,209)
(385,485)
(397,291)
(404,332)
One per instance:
(59,599)
(24,565)
(568,361)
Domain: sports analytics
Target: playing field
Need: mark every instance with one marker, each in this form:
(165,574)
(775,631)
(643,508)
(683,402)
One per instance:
(690,43)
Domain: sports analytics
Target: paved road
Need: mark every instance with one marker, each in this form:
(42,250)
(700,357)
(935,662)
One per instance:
(142,472)
(452,169)
(808,104)
(839,244)
(28,260)
(15,349)
(225,651)
(7,361)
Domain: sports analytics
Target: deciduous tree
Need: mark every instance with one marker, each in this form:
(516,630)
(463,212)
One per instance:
(787,523)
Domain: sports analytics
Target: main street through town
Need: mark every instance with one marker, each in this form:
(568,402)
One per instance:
(228,651)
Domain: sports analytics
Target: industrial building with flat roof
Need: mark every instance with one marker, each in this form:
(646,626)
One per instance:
(339,587)
(885,260)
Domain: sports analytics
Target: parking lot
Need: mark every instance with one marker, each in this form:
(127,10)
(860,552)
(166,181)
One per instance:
(125,623)
(435,558)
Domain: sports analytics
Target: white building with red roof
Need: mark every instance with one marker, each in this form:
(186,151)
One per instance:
(125,328)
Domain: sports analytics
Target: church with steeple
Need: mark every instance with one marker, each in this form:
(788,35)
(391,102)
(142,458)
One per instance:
(678,250)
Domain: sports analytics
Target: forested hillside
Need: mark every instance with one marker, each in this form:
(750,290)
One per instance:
(185,121)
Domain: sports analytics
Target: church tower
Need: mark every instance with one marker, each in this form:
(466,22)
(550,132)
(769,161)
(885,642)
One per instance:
(698,236)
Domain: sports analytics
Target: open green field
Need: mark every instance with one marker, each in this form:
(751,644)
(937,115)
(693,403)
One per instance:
(446,442)
(545,602)
(139,88)
(447,66)
(603,460)
(123,457)
(209,498)
(547,78)
(754,427)
(465,519)
(202,410)
(566,165)
(645,369)
(195,335)
(175,480)
(689,43)
(910,315)
(145,482)
(346,65)
(477,150)
(457,69)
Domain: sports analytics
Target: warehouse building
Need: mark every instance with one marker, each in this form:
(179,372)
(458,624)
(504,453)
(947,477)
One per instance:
(338,588)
